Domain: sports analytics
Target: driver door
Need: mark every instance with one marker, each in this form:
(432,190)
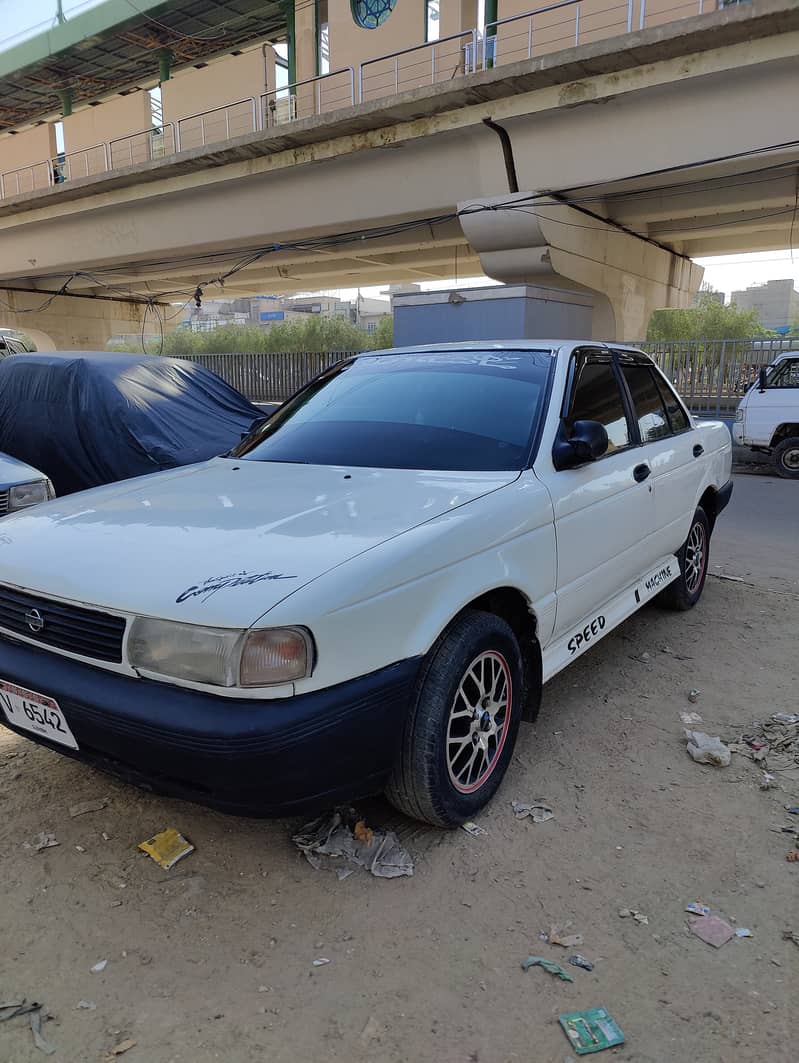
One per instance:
(604,510)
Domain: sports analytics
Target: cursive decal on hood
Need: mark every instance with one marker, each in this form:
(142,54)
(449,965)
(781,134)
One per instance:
(212,584)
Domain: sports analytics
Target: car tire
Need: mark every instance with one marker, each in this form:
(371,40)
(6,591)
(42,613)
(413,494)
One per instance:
(694,555)
(462,728)
(786,458)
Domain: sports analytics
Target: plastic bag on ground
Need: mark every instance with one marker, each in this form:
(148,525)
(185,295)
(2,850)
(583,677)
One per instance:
(341,842)
(706,750)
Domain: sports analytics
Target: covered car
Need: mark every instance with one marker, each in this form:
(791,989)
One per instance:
(92,418)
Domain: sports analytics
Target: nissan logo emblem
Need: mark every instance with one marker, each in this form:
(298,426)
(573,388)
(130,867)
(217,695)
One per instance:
(34,620)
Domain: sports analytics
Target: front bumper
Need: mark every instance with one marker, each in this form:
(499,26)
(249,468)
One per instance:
(245,756)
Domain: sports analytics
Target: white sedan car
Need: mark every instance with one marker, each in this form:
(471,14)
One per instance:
(21,485)
(369,592)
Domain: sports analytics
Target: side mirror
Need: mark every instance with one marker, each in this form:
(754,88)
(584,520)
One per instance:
(761,379)
(587,442)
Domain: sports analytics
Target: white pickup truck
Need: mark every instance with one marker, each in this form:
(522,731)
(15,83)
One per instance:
(767,418)
(369,592)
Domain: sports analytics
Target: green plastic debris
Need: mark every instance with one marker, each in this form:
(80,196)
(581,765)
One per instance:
(548,965)
(591,1030)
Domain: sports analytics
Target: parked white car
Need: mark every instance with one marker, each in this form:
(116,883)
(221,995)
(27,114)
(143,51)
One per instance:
(767,418)
(370,591)
(21,485)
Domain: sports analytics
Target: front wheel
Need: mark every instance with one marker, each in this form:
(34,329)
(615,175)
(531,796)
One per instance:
(462,729)
(693,556)
(786,458)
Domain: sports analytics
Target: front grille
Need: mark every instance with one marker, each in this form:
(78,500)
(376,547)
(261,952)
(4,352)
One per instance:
(66,627)
(3,503)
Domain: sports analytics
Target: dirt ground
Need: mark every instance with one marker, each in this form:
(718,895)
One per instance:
(213,960)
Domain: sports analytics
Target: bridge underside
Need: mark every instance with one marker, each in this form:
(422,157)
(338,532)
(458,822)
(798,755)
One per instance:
(659,147)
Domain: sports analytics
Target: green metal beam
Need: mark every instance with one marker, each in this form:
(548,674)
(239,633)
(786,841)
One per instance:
(113,15)
(288,8)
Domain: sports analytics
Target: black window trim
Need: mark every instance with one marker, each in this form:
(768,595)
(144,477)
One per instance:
(640,359)
(782,368)
(606,356)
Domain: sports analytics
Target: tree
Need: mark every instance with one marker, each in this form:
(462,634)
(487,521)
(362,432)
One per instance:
(383,335)
(709,320)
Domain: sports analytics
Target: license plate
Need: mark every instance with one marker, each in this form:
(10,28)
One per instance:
(36,713)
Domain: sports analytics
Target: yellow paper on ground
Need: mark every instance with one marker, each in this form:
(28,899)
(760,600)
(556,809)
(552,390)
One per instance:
(167,848)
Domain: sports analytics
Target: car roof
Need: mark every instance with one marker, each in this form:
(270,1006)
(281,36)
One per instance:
(456,346)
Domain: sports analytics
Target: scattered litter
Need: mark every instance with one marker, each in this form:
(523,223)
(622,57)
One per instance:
(36,1030)
(792,857)
(693,696)
(86,1005)
(754,743)
(785,717)
(713,930)
(321,962)
(123,1047)
(106,837)
(743,932)
(567,941)
(548,965)
(730,579)
(697,909)
(89,806)
(578,960)
(591,1030)
(44,841)
(341,838)
(790,935)
(79,849)
(706,750)
(167,848)
(639,917)
(474,829)
(538,812)
(769,782)
(688,719)
(99,967)
(792,809)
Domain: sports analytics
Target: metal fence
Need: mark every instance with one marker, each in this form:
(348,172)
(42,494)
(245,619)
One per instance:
(711,375)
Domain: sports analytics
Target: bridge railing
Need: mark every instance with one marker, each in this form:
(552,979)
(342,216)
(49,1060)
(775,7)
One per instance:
(218,124)
(26,179)
(422,64)
(545,29)
(154,143)
(306,99)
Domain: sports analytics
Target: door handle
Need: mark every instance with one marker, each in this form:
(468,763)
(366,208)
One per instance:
(640,473)
(699,450)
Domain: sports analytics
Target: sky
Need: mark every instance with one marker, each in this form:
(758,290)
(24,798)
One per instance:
(20,20)
(725,273)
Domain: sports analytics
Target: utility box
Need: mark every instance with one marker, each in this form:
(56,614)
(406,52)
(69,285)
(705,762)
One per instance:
(499,312)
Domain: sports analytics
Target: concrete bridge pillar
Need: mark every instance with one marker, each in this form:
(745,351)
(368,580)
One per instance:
(523,239)
(75,322)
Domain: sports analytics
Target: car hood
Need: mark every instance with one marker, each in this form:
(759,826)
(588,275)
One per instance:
(223,542)
(14,472)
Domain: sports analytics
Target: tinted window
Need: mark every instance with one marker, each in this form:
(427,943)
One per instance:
(647,403)
(678,418)
(460,411)
(596,397)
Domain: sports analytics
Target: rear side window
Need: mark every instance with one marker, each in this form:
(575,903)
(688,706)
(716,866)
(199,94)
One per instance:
(650,412)
(674,408)
(596,396)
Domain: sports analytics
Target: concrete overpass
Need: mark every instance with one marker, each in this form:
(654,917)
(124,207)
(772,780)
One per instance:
(656,146)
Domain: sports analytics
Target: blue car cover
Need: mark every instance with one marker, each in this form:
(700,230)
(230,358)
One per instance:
(90,418)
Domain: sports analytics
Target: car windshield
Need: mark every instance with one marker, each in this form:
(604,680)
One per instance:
(455,410)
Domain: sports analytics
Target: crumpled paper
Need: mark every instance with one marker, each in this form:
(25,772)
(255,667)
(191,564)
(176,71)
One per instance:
(342,842)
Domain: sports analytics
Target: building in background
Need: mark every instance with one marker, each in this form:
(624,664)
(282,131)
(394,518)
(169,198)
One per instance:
(266,311)
(776,302)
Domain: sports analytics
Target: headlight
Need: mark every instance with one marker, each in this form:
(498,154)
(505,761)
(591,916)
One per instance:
(24,495)
(220,656)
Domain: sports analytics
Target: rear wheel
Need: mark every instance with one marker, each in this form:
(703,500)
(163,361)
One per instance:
(693,555)
(786,458)
(460,735)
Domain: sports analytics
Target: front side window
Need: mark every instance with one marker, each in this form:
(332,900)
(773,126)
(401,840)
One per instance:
(653,422)
(460,410)
(786,375)
(596,396)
